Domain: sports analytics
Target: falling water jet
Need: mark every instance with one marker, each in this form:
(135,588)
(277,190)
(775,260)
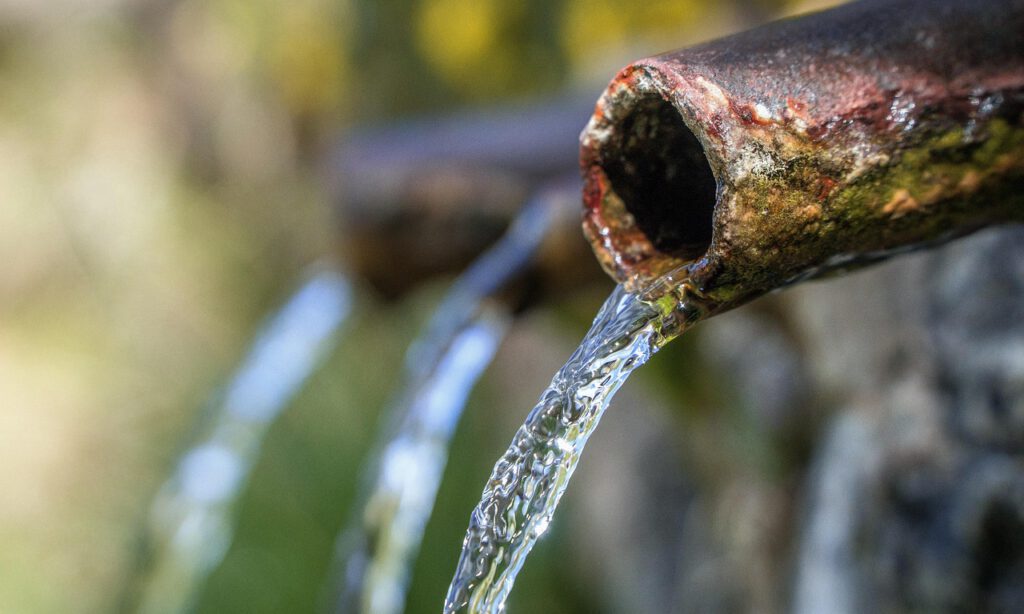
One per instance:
(528,481)
(190,524)
(374,554)
(719,173)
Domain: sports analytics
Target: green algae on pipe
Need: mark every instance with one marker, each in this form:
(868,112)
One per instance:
(808,145)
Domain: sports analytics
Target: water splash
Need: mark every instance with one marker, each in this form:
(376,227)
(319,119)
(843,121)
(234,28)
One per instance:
(190,525)
(440,370)
(528,481)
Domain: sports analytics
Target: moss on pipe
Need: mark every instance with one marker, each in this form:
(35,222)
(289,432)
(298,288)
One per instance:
(833,140)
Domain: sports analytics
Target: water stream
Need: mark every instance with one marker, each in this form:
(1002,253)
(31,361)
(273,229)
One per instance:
(191,520)
(381,547)
(375,553)
(527,482)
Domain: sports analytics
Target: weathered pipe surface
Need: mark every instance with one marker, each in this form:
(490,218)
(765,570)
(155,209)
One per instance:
(807,145)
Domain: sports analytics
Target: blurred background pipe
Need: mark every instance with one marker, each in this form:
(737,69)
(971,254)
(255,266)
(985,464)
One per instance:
(807,145)
(426,197)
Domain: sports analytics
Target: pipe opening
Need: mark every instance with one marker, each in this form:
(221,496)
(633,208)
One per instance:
(657,166)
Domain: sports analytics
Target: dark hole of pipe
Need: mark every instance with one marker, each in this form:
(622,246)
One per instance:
(659,170)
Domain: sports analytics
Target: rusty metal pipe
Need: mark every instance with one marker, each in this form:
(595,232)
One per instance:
(809,144)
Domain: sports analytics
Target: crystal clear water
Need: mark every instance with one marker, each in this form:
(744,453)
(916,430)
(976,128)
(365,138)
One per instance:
(190,525)
(401,481)
(409,472)
(527,482)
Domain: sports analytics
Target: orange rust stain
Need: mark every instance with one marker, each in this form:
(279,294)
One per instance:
(901,204)
(594,189)
(748,114)
(825,187)
(796,107)
(796,116)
